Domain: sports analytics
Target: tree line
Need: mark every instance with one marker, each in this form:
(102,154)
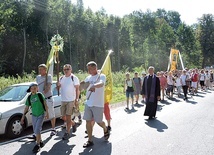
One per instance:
(139,39)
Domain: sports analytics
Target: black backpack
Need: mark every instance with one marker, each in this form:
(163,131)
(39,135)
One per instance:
(139,80)
(40,98)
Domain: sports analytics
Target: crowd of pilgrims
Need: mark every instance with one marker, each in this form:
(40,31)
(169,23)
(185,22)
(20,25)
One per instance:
(179,82)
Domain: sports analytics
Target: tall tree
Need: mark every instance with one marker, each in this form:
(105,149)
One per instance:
(207,38)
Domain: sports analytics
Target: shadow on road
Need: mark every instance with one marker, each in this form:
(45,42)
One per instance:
(165,102)
(100,147)
(192,102)
(160,107)
(154,123)
(25,148)
(129,111)
(138,105)
(60,147)
(175,100)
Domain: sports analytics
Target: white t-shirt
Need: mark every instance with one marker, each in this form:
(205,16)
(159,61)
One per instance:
(207,76)
(178,82)
(96,98)
(202,77)
(142,79)
(129,83)
(170,80)
(183,79)
(68,91)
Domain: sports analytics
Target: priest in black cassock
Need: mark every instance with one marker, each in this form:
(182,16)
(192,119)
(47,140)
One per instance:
(151,92)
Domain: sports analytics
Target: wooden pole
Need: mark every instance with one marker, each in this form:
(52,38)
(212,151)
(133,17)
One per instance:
(57,62)
(57,70)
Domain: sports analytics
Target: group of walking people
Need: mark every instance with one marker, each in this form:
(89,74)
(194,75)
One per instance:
(154,87)
(41,102)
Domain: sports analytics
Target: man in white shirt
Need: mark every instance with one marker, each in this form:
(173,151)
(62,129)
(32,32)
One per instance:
(94,106)
(69,84)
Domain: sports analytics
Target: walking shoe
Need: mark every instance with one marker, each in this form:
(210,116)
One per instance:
(66,136)
(107,134)
(36,148)
(80,121)
(88,144)
(74,127)
(109,128)
(33,137)
(53,132)
(63,126)
(41,144)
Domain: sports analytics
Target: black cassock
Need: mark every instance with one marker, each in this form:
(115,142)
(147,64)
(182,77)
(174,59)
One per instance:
(151,107)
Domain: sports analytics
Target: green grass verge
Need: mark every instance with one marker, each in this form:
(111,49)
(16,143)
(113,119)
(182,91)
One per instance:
(118,81)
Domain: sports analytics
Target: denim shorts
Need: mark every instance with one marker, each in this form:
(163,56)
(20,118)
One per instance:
(37,122)
(129,94)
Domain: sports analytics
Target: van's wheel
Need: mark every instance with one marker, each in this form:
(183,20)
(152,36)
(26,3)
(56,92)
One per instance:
(14,128)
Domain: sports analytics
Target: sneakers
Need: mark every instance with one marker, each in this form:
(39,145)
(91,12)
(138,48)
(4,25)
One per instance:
(80,121)
(63,126)
(107,134)
(109,128)
(88,144)
(53,132)
(126,109)
(36,148)
(66,136)
(41,144)
(74,127)
(33,137)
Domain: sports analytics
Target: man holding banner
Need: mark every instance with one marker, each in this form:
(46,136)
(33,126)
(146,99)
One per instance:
(44,81)
(94,106)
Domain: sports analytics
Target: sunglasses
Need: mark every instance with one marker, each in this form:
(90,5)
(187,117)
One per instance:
(67,69)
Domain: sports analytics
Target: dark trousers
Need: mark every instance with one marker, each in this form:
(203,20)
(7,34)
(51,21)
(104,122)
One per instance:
(185,88)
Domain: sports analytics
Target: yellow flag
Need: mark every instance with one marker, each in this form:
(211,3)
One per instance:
(106,69)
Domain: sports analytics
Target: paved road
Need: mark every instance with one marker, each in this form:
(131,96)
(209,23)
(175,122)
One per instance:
(29,131)
(181,128)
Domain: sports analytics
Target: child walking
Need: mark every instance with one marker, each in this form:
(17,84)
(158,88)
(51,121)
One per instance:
(39,111)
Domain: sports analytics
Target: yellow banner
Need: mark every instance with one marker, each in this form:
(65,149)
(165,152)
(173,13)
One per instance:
(174,59)
(106,69)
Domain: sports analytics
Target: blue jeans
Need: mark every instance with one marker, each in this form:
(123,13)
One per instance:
(37,122)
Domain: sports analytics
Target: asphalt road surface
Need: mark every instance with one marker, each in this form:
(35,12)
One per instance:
(181,128)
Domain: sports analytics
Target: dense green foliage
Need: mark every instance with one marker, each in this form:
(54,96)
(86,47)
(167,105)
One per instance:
(139,39)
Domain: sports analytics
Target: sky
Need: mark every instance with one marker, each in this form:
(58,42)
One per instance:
(189,10)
